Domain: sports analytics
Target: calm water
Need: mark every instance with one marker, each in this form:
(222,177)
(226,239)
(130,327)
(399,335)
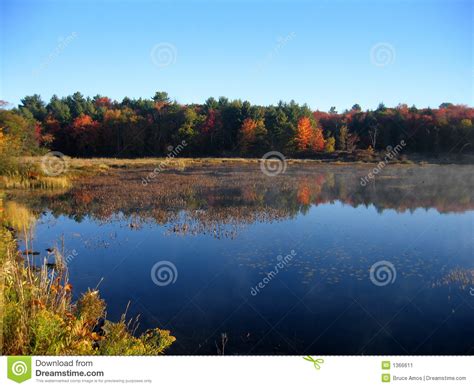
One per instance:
(226,229)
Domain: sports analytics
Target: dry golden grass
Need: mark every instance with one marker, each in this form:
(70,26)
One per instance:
(83,165)
(40,182)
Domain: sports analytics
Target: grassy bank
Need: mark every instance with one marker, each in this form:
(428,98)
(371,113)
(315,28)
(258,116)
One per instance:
(27,173)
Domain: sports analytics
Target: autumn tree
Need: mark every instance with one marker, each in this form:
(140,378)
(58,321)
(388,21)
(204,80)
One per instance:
(210,130)
(317,142)
(252,133)
(309,137)
(304,135)
(247,134)
(84,133)
(342,138)
(99,126)
(330,145)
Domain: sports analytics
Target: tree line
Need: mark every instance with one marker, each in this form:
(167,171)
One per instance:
(85,127)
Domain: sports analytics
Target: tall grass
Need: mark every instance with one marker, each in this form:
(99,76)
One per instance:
(27,173)
(16,181)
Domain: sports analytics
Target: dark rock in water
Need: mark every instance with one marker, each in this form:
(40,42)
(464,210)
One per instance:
(28,252)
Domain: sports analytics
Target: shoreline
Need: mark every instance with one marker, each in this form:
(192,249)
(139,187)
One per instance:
(47,172)
(104,163)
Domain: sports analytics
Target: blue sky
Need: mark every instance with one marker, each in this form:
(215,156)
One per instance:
(323,53)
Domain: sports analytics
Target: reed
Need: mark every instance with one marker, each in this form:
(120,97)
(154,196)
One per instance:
(41,182)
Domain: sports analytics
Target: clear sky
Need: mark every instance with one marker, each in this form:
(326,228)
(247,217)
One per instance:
(323,53)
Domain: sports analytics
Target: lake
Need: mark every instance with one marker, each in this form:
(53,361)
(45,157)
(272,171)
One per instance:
(310,261)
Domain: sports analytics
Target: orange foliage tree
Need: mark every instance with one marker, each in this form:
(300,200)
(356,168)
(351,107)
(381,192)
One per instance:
(304,134)
(247,134)
(308,137)
(251,134)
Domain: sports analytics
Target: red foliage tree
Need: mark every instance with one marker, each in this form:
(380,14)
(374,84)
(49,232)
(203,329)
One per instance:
(210,122)
(105,102)
(84,131)
(317,142)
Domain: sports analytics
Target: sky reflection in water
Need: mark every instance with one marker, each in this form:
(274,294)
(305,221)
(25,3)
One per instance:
(226,228)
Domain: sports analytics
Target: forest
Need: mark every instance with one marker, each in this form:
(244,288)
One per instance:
(81,126)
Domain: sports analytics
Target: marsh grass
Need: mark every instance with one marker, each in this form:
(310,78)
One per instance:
(80,167)
(16,181)
(26,174)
